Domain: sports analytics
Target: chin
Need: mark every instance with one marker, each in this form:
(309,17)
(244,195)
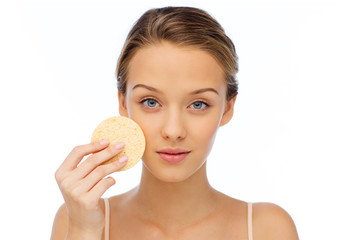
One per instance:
(166,175)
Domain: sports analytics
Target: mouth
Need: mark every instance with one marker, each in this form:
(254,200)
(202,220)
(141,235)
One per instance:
(173,155)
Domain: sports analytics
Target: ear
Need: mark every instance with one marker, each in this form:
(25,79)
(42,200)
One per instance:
(226,117)
(123,111)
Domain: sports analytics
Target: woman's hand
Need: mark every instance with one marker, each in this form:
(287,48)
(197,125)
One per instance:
(83,186)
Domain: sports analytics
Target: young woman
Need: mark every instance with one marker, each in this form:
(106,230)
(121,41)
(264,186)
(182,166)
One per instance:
(176,79)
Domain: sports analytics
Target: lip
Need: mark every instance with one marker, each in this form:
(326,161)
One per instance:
(173,155)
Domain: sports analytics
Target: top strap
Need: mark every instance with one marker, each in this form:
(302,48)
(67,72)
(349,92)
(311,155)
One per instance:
(107,212)
(250,221)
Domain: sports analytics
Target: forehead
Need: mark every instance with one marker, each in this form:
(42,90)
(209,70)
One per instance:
(166,64)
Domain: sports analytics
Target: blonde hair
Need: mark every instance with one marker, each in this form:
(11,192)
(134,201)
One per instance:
(183,26)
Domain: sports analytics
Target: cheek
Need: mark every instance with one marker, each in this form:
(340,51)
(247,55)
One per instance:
(204,130)
(207,132)
(149,125)
(149,129)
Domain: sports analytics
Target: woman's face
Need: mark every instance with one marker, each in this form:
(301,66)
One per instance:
(178,97)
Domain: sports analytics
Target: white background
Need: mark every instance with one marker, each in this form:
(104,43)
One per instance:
(288,142)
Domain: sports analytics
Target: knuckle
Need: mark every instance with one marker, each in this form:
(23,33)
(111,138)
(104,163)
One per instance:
(101,171)
(116,165)
(58,176)
(105,183)
(96,144)
(82,150)
(76,194)
(110,181)
(76,149)
(90,162)
(64,184)
(111,151)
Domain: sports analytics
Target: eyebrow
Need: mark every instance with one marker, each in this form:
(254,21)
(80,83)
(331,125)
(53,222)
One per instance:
(198,91)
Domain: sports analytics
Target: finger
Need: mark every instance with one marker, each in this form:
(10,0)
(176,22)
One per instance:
(97,159)
(101,172)
(101,187)
(78,153)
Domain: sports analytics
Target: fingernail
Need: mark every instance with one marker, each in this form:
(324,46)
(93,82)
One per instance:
(123,159)
(119,146)
(104,142)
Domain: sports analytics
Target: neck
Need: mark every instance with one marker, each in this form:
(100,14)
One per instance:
(174,205)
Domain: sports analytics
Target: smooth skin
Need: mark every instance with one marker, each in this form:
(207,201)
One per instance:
(178,97)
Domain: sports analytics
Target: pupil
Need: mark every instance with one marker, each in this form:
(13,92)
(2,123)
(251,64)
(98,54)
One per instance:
(197,105)
(152,103)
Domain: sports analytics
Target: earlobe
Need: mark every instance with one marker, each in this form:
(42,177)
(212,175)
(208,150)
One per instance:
(228,113)
(122,105)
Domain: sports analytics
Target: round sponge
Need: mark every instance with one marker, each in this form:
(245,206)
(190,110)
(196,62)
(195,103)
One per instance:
(122,129)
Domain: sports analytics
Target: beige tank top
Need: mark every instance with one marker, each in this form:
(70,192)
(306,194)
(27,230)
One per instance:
(250,220)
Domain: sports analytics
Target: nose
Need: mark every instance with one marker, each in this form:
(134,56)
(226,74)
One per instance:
(174,126)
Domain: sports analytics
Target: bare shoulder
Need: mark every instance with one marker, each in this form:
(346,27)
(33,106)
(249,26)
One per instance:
(60,224)
(270,221)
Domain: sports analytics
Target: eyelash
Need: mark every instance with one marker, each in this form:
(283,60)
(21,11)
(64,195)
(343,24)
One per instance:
(201,109)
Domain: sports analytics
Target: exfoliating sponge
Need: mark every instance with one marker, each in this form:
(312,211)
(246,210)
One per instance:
(122,129)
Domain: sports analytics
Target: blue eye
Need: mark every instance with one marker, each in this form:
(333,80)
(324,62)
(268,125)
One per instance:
(199,105)
(150,103)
